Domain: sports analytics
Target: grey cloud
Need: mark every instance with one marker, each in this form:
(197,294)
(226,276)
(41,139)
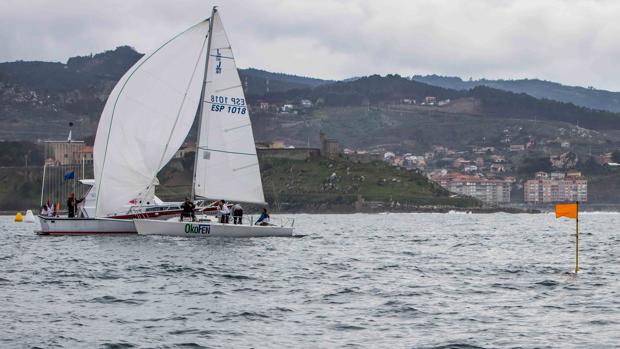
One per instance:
(572,42)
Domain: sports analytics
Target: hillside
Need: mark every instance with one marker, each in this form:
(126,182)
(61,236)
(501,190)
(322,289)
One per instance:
(413,129)
(323,185)
(260,82)
(315,185)
(53,94)
(581,96)
(393,89)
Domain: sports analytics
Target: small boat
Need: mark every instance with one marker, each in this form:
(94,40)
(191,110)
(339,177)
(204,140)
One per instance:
(226,165)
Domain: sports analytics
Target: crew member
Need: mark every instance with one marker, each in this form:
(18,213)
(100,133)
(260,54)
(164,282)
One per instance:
(224,212)
(47,210)
(264,218)
(237,212)
(188,209)
(72,204)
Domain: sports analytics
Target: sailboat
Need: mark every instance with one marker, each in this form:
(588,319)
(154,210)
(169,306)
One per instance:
(151,111)
(145,120)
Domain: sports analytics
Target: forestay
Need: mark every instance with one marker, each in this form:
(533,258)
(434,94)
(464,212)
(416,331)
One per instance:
(146,119)
(227,166)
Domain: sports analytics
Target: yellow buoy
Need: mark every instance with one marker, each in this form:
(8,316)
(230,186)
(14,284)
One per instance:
(19,217)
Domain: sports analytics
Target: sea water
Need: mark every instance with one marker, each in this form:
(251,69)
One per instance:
(368,281)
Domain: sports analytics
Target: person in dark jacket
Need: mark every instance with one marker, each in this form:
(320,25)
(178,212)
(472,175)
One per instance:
(72,203)
(188,209)
(237,212)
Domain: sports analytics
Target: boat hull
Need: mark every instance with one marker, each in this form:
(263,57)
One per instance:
(85,226)
(208,229)
(93,226)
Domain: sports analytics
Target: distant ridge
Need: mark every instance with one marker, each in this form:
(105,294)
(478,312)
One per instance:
(581,96)
(260,82)
(490,102)
(53,93)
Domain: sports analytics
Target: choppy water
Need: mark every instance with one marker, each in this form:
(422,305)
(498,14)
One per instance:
(385,280)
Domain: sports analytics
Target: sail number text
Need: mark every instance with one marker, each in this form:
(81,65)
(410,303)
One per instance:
(232,105)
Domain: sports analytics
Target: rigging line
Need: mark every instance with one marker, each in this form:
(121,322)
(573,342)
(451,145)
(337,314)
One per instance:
(176,121)
(200,111)
(163,82)
(226,151)
(107,142)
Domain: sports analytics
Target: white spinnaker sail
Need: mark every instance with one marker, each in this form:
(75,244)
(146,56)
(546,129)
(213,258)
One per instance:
(227,166)
(147,117)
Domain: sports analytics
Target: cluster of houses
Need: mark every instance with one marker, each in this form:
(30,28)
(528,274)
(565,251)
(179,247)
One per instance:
(482,173)
(286,108)
(427,101)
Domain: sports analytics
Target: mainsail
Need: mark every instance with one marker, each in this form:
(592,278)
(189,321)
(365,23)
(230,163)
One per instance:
(226,163)
(146,119)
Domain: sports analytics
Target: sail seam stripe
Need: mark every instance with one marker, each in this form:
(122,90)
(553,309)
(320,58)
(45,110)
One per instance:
(244,167)
(105,154)
(236,128)
(226,151)
(227,88)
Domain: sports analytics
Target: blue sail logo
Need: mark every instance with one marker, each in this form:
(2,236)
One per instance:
(218,59)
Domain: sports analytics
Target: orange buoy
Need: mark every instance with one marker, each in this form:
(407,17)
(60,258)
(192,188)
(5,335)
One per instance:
(19,217)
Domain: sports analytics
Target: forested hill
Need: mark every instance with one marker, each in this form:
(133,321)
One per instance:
(259,82)
(90,71)
(52,94)
(585,97)
(486,101)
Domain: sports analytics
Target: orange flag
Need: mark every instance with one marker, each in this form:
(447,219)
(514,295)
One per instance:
(566,210)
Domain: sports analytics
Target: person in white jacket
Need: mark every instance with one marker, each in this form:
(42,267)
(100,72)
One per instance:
(224,212)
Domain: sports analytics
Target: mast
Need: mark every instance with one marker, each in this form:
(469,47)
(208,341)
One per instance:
(202,101)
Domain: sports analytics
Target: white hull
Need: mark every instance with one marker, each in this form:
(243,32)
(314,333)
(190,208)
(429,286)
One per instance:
(85,226)
(208,229)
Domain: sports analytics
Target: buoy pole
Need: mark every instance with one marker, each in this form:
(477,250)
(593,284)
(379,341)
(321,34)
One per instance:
(577,240)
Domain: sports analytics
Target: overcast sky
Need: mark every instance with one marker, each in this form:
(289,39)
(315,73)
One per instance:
(573,42)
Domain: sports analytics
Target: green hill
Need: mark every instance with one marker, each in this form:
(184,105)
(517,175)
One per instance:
(324,185)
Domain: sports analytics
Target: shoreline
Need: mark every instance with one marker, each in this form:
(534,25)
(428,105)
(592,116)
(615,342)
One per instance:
(347,209)
(443,210)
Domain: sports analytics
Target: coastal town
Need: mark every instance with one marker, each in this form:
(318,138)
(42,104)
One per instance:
(489,173)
